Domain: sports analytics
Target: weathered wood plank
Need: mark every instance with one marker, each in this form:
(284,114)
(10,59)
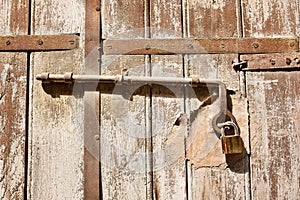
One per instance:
(214,175)
(213,18)
(125,127)
(13,76)
(273,106)
(274,124)
(271,18)
(169,125)
(56,120)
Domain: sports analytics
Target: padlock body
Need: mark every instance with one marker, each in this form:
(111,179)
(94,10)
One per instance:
(232,144)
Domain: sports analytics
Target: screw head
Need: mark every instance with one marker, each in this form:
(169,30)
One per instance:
(288,61)
(98,8)
(7,42)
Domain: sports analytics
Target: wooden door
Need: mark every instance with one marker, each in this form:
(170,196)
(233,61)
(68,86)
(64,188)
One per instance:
(73,141)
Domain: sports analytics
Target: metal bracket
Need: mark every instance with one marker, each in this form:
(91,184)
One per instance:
(223,115)
(38,42)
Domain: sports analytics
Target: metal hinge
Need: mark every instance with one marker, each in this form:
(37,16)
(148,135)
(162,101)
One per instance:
(38,42)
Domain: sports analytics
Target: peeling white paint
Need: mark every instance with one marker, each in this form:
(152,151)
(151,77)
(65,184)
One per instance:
(207,4)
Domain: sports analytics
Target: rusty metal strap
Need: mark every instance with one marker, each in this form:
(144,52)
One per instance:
(271,61)
(38,42)
(199,45)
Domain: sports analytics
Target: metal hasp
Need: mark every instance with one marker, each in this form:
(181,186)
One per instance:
(222,116)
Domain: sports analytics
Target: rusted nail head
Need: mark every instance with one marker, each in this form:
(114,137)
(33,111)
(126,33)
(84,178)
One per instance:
(98,8)
(255,45)
(97,137)
(72,42)
(292,44)
(273,61)
(288,61)
(40,42)
(190,46)
(8,42)
(147,47)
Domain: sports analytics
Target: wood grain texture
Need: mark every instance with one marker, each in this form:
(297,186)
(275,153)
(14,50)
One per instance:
(169,123)
(125,126)
(273,106)
(216,18)
(271,18)
(214,175)
(274,125)
(56,120)
(13,76)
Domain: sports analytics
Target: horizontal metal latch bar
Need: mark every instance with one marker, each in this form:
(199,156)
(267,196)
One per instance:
(119,79)
(199,45)
(38,42)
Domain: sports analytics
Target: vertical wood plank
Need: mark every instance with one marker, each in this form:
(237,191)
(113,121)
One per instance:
(274,125)
(169,125)
(13,76)
(271,18)
(56,120)
(273,105)
(215,175)
(124,115)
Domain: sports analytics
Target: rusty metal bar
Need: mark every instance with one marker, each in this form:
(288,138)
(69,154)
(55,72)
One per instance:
(271,61)
(119,79)
(38,42)
(199,45)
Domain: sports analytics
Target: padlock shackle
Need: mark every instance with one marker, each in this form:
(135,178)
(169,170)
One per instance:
(229,123)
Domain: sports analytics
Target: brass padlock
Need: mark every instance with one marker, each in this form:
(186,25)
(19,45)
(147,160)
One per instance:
(231,144)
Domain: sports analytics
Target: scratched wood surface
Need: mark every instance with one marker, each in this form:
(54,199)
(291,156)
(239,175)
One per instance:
(211,174)
(169,124)
(274,126)
(125,128)
(56,120)
(13,73)
(273,106)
